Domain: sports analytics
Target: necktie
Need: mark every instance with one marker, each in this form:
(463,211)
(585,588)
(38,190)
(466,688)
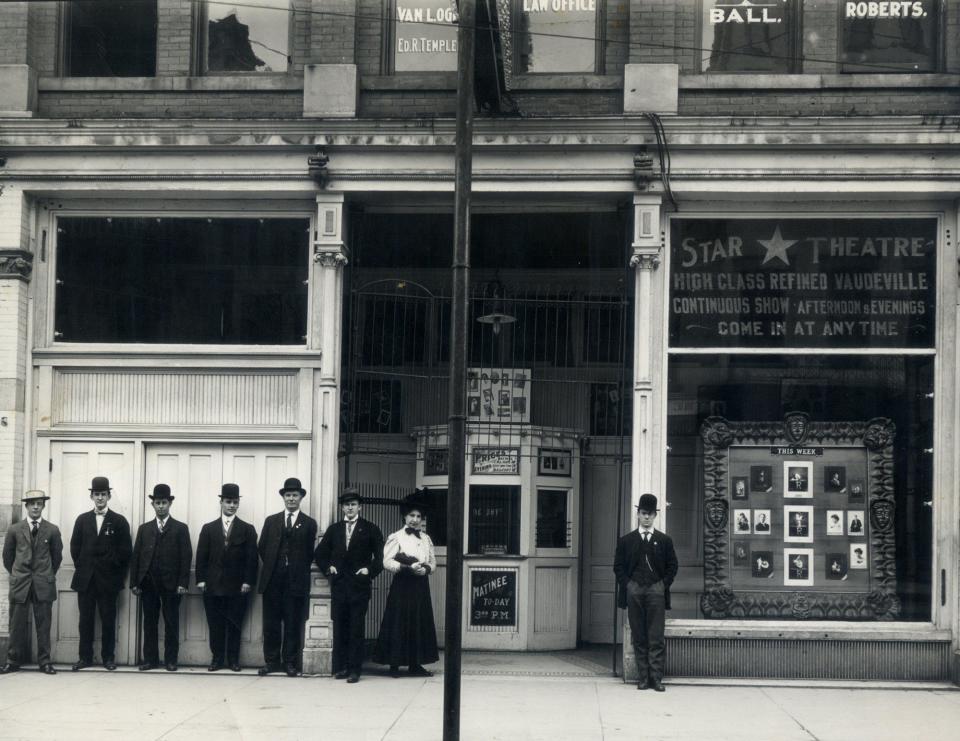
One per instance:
(412,531)
(162,526)
(289,521)
(36,527)
(350,524)
(646,537)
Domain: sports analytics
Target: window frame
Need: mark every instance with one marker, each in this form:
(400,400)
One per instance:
(599,43)
(201,42)
(940,19)
(64,38)
(795,42)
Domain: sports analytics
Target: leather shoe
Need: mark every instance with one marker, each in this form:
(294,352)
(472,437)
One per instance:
(291,670)
(215,666)
(353,678)
(657,686)
(48,669)
(148,665)
(267,669)
(110,665)
(9,669)
(419,671)
(395,671)
(643,684)
(171,667)
(342,674)
(235,666)
(81,665)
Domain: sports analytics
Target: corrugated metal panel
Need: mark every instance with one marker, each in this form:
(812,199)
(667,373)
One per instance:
(808,659)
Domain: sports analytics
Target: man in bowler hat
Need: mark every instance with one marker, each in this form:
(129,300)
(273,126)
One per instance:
(227,563)
(286,548)
(646,565)
(351,555)
(100,547)
(32,553)
(160,573)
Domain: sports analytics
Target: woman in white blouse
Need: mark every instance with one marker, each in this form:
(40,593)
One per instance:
(408,635)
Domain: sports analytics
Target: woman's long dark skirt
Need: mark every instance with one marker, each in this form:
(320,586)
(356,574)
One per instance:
(408,635)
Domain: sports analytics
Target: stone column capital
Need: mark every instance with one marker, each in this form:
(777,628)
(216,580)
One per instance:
(16,264)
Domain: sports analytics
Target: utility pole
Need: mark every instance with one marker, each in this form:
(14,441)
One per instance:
(457,422)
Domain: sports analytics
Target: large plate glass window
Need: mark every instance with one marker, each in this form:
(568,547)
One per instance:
(890,37)
(245,37)
(744,36)
(110,39)
(182,280)
(800,416)
(554,36)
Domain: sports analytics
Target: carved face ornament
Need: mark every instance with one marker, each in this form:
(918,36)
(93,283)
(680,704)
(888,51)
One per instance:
(716,513)
(796,425)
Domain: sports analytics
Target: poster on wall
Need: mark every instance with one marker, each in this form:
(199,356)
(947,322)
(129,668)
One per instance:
(782,283)
(499,395)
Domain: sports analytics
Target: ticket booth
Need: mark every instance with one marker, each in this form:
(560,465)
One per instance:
(521,539)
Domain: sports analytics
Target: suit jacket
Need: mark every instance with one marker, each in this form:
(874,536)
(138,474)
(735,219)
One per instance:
(173,552)
(100,559)
(366,550)
(301,551)
(32,563)
(628,555)
(225,567)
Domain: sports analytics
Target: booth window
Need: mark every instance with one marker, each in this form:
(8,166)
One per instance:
(245,38)
(494,521)
(423,36)
(182,280)
(745,37)
(553,527)
(905,38)
(115,39)
(551,37)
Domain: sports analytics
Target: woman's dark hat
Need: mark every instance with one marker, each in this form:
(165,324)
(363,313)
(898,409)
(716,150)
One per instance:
(229,491)
(100,483)
(162,491)
(350,494)
(415,501)
(293,484)
(647,503)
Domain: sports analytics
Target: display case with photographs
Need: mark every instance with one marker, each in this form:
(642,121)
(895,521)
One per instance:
(799,519)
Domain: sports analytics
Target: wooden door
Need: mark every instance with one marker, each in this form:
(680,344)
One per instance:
(67,475)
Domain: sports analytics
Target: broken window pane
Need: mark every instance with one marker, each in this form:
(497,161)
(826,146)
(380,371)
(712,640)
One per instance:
(904,37)
(247,38)
(744,36)
(115,39)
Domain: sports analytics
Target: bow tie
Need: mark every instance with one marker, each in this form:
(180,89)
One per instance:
(412,531)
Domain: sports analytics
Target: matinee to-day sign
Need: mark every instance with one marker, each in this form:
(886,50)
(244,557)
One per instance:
(803,283)
(493,597)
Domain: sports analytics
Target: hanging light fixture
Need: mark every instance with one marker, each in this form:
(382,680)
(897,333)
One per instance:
(494,313)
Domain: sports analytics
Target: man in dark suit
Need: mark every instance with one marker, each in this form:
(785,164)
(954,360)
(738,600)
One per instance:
(160,573)
(646,565)
(351,555)
(286,548)
(32,553)
(100,547)
(227,562)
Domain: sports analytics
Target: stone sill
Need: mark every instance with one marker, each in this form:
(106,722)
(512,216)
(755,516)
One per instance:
(211,84)
(447,81)
(64,354)
(805,630)
(756,82)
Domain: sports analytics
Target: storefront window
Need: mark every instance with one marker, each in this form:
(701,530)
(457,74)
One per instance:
(425,36)
(890,37)
(115,39)
(182,280)
(799,481)
(558,37)
(749,37)
(247,38)
(494,520)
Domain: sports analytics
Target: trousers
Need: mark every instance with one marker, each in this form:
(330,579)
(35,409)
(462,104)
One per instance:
(646,612)
(18,651)
(152,603)
(90,601)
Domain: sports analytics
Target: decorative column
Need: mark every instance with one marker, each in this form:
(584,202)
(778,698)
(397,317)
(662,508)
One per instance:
(647,245)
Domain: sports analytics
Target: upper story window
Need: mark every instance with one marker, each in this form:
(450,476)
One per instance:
(182,280)
(251,37)
(556,36)
(883,37)
(115,39)
(749,36)
(425,36)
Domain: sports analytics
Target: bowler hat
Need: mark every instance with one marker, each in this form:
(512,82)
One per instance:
(293,484)
(33,494)
(100,483)
(350,494)
(415,501)
(229,491)
(162,491)
(647,503)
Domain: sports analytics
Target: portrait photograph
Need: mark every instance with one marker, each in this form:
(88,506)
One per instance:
(858,556)
(835,479)
(836,564)
(761,522)
(835,518)
(473,406)
(798,567)
(798,524)
(504,398)
(473,381)
(761,564)
(855,522)
(739,488)
(761,478)
(797,479)
(741,553)
(856,490)
(741,521)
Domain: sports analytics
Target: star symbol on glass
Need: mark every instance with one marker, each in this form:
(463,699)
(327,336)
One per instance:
(776,247)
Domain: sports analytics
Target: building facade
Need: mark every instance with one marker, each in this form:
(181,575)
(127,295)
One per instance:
(713,257)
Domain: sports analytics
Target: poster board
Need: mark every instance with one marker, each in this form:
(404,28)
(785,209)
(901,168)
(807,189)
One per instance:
(798,519)
(499,395)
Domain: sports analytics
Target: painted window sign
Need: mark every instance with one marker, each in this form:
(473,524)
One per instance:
(748,36)
(890,36)
(780,283)
(557,36)
(426,36)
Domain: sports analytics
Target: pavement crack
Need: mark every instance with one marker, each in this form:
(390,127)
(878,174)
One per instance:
(596,693)
(403,710)
(790,715)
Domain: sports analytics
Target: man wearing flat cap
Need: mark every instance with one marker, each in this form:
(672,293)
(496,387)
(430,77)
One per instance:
(646,565)
(32,553)
(286,549)
(350,554)
(227,563)
(100,547)
(160,573)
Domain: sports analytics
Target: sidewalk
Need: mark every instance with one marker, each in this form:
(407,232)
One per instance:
(192,704)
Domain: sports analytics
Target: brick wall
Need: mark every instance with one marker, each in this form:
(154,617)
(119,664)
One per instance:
(369,35)
(860,102)
(333,31)
(174,37)
(234,104)
(13,33)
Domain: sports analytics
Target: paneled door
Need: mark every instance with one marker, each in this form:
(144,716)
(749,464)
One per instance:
(195,474)
(68,472)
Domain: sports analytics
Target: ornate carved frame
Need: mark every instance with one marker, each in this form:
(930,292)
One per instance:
(719,600)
